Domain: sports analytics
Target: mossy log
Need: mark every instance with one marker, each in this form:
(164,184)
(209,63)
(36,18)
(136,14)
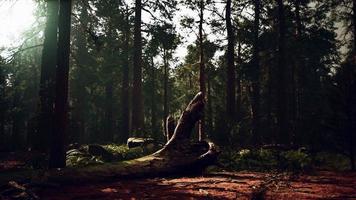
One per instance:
(179,156)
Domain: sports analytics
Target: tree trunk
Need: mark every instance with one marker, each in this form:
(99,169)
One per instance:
(209,105)
(79,93)
(351,110)
(297,74)
(153,99)
(255,104)
(178,156)
(125,106)
(2,103)
(230,72)
(354,23)
(47,80)
(57,156)
(17,120)
(109,121)
(201,68)
(137,98)
(282,97)
(165,92)
(238,84)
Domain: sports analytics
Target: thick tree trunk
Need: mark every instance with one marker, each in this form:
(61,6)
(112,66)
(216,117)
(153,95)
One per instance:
(57,150)
(354,23)
(201,68)
(125,106)
(282,97)
(230,72)
(47,80)
(296,74)
(178,156)
(351,110)
(255,104)
(137,98)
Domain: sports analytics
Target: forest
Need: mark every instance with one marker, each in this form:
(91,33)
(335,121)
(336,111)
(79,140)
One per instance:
(178,99)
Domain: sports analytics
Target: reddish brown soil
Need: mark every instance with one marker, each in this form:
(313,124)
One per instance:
(239,185)
(226,185)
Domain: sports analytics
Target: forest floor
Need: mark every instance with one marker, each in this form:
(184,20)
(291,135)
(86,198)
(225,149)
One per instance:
(219,185)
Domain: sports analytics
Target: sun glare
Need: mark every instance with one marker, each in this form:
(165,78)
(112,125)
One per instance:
(16,16)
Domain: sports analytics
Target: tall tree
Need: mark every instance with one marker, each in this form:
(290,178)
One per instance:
(282,98)
(125,104)
(354,24)
(57,157)
(2,101)
(230,72)
(201,65)
(164,36)
(137,97)
(255,103)
(79,94)
(47,80)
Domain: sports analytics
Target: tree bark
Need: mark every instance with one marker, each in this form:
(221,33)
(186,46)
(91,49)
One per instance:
(238,84)
(2,103)
(354,23)
(255,104)
(125,106)
(47,80)
(153,99)
(57,156)
(282,101)
(351,110)
(165,92)
(230,72)
(137,98)
(178,156)
(201,67)
(297,74)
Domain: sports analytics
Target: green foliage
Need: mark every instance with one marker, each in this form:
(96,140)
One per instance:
(263,159)
(81,157)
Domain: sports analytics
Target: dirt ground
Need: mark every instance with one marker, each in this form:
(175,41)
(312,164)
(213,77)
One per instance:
(237,185)
(220,185)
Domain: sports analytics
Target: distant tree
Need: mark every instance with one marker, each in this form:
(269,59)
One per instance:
(137,97)
(2,100)
(282,97)
(167,40)
(125,104)
(57,157)
(255,102)
(80,82)
(230,72)
(199,7)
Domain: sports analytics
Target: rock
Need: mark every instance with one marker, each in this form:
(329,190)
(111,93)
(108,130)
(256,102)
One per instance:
(136,142)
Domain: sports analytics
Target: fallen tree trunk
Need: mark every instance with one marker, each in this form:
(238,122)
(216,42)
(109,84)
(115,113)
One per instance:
(178,156)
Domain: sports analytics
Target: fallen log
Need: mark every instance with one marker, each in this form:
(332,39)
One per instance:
(179,156)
